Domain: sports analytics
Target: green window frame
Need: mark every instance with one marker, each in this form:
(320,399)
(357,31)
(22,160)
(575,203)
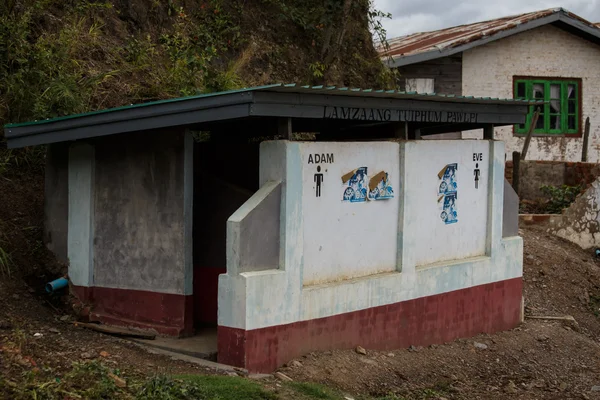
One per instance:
(560,114)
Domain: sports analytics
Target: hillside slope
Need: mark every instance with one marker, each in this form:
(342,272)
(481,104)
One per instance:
(59,57)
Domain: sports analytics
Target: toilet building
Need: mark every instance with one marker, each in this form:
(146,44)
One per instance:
(293,219)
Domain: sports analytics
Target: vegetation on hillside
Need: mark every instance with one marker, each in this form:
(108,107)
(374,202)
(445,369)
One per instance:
(59,57)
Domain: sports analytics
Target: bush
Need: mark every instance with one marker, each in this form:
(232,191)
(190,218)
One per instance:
(561,197)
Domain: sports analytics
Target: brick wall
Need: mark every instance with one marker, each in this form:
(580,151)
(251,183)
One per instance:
(535,174)
(542,52)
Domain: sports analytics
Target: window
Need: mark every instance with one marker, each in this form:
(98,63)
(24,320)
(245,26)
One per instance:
(560,114)
(420,85)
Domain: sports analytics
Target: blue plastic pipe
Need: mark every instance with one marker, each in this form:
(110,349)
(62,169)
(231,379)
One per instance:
(56,284)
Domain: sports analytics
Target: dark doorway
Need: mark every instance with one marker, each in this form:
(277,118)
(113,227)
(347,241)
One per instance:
(225,176)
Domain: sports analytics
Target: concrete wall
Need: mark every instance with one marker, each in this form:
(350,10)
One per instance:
(510,217)
(543,52)
(355,237)
(56,199)
(139,213)
(580,223)
(465,236)
(255,300)
(80,236)
(253,232)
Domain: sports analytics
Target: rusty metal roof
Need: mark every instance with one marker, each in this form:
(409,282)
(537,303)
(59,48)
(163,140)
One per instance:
(424,46)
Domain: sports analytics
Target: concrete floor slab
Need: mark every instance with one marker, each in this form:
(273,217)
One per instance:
(202,345)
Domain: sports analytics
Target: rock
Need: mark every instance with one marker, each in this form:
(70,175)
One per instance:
(596,388)
(119,382)
(231,373)
(563,386)
(391,355)
(258,377)
(480,346)
(510,388)
(542,338)
(65,318)
(38,335)
(88,355)
(295,364)
(104,354)
(53,330)
(283,377)
(361,350)
(414,349)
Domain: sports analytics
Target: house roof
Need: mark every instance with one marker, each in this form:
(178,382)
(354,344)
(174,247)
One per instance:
(423,46)
(270,101)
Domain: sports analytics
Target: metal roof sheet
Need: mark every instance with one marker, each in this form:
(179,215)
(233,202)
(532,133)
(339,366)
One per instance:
(296,88)
(316,105)
(441,41)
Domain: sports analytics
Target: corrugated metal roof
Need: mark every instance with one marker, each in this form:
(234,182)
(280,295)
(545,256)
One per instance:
(296,88)
(454,37)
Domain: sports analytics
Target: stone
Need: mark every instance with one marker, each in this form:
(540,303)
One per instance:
(104,354)
(65,318)
(231,373)
(53,330)
(563,386)
(596,388)
(543,338)
(480,346)
(510,388)
(283,377)
(361,350)
(88,355)
(38,335)
(391,355)
(295,364)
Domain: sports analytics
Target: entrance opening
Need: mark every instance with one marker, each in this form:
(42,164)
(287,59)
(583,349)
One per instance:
(225,176)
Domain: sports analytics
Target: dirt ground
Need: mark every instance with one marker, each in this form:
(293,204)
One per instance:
(538,360)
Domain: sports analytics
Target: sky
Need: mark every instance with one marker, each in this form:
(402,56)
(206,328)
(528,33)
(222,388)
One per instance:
(411,16)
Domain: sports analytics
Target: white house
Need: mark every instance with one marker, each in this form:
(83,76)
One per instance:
(552,55)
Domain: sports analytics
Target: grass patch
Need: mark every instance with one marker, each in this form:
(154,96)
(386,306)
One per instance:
(314,390)
(207,387)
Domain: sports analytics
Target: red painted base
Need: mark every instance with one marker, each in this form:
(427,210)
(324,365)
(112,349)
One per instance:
(167,314)
(206,287)
(420,322)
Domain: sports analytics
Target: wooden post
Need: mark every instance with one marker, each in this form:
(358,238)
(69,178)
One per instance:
(516,158)
(488,132)
(586,136)
(284,128)
(534,120)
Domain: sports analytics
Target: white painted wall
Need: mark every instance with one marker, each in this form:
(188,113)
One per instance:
(547,51)
(253,300)
(345,239)
(436,240)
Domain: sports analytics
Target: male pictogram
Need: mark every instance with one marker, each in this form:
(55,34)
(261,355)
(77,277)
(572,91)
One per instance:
(318,181)
(477,172)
